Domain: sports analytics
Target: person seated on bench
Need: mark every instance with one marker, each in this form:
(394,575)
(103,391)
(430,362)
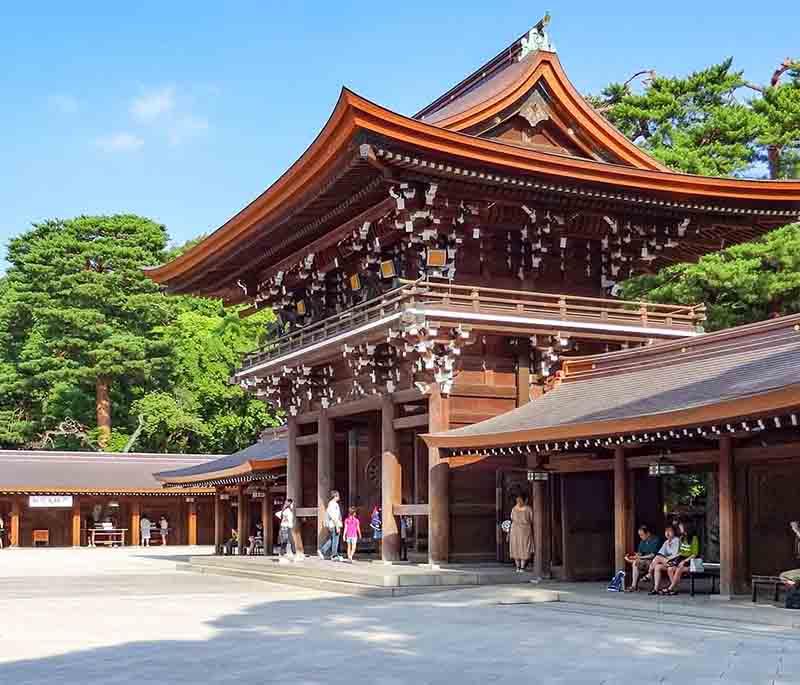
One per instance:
(649,545)
(658,567)
(233,542)
(689,549)
(257,538)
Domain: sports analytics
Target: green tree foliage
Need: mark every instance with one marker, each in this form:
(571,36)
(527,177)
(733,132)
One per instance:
(741,284)
(711,122)
(78,318)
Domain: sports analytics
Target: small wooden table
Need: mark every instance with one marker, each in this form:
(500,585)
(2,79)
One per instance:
(41,536)
(106,536)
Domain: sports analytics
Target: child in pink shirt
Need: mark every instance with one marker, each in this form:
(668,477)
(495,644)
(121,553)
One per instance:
(352,531)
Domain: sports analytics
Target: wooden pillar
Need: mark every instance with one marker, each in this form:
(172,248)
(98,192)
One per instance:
(727,517)
(352,467)
(219,530)
(541,530)
(136,517)
(241,518)
(324,474)
(523,371)
(391,481)
(567,551)
(438,482)
(267,520)
(76,521)
(621,506)
(294,477)
(13,533)
(192,522)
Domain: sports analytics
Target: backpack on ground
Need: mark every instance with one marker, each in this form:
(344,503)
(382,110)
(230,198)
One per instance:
(617,583)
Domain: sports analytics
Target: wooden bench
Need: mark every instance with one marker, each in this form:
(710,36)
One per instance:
(775,582)
(711,570)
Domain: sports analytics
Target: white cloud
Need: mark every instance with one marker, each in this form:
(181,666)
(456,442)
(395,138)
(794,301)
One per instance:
(185,128)
(119,142)
(153,104)
(66,104)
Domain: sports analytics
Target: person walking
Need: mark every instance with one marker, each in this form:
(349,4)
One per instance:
(352,532)
(521,536)
(145,525)
(163,525)
(376,523)
(286,530)
(333,522)
(406,522)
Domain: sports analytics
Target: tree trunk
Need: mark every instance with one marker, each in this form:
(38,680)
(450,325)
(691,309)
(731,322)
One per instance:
(103,409)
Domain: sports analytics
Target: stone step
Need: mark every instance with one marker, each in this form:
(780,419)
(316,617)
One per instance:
(288,577)
(369,574)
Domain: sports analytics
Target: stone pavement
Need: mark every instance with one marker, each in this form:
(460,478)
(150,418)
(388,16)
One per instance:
(140,621)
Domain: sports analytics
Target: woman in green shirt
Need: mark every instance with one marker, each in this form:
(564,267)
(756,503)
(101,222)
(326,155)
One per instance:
(688,550)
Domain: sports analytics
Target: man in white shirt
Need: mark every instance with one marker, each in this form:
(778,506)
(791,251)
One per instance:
(333,522)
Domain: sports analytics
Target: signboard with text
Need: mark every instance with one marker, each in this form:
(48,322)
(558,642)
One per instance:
(49,501)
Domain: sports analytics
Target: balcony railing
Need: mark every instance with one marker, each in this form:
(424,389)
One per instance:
(443,299)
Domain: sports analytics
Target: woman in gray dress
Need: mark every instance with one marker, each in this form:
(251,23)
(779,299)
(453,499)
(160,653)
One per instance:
(521,537)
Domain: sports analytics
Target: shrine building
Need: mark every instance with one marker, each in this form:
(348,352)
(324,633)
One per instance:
(436,271)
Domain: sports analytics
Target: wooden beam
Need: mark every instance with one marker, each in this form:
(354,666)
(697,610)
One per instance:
(438,482)
(192,523)
(308,417)
(727,518)
(219,531)
(306,512)
(391,482)
(294,476)
(267,522)
(371,403)
(76,522)
(303,440)
(523,371)
(621,505)
(16,511)
(136,518)
(407,395)
(241,518)
(413,421)
(325,474)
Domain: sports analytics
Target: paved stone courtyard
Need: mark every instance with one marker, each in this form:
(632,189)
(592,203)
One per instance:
(127,616)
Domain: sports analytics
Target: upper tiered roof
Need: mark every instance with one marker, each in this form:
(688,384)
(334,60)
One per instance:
(517,123)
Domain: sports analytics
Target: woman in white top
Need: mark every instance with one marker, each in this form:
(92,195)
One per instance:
(144,527)
(286,530)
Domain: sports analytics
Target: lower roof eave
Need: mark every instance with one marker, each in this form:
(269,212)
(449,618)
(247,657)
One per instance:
(783,399)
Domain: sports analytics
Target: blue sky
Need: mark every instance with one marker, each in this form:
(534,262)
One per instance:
(185,111)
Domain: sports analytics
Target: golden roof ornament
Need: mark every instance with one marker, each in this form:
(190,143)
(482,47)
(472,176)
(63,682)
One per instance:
(537,38)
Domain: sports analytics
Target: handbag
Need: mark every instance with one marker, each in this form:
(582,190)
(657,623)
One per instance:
(696,565)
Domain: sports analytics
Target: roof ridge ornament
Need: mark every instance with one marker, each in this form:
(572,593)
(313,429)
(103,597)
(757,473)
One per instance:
(537,38)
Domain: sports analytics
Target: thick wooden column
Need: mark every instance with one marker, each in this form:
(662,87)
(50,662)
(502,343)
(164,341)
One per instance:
(391,481)
(136,517)
(13,533)
(294,477)
(219,530)
(523,371)
(76,521)
(541,530)
(241,518)
(438,482)
(621,507)
(727,517)
(324,473)
(267,521)
(192,523)
(352,467)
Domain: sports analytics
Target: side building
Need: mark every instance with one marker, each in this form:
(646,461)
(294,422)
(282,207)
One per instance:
(434,271)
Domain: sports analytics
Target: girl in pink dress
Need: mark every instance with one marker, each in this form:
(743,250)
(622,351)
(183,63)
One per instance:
(352,531)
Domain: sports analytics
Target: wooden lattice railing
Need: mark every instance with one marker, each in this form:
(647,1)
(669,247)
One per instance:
(444,295)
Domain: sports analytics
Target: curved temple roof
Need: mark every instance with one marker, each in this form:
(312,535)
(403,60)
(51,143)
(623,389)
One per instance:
(712,378)
(442,133)
(267,455)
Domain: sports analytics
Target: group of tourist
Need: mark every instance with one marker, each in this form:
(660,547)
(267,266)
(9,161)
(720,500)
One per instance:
(352,530)
(146,527)
(663,564)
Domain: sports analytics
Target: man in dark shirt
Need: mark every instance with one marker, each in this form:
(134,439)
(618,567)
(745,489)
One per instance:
(649,545)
